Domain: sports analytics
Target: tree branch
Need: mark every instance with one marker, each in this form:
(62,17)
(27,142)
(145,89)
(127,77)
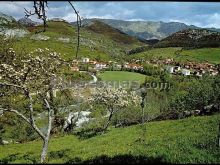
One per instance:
(49,118)
(26,119)
(12,85)
(78,28)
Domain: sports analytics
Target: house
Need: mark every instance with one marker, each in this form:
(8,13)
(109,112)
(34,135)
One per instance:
(176,68)
(133,66)
(168,61)
(118,66)
(214,73)
(198,73)
(93,62)
(75,62)
(186,72)
(100,65)
(170,69)
(75,68)
(86,60)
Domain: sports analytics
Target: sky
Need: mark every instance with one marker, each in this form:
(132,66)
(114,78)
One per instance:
(202,14)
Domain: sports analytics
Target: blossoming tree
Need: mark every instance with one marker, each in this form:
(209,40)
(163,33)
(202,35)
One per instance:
(114,99)
(29,78)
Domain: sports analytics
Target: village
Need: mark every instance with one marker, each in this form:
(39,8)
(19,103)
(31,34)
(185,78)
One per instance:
(176,68)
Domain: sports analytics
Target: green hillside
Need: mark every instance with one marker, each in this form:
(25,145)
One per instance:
(63,39)
(191,140)
(211,55)
(114,34)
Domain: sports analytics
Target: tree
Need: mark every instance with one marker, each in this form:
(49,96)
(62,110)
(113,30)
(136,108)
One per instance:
(40,11)
(143,97)
(29,79)
(114,99)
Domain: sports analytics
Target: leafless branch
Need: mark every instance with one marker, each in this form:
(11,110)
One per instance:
(40,11)
(78,27)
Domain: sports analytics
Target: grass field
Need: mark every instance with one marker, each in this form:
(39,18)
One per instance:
(120,76)
(157,53)
(191,140)
(211,55)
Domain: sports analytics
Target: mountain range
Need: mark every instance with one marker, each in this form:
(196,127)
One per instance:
(146,30)
(112,37)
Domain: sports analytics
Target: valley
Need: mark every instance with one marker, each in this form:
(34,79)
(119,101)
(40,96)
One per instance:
(171,116)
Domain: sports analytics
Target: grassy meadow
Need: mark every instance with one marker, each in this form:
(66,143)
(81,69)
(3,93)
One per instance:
(190,140)
(211,55)
(120,76)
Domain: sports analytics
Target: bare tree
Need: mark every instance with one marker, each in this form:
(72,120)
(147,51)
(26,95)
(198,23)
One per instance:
(78,21)
(40,11)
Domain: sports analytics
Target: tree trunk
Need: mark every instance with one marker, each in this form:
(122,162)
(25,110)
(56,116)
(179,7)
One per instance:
(142,115)
(47,138)
(44,150)
(219,135)
(109,120)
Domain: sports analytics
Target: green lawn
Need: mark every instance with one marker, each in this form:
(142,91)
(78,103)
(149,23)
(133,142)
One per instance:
(122,76)
(191,140)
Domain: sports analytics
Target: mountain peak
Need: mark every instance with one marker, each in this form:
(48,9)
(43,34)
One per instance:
(27,22)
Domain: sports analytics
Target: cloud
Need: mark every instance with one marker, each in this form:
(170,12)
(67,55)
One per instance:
(204,14)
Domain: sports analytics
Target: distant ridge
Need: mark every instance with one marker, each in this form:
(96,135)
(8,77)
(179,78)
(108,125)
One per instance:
(146,29)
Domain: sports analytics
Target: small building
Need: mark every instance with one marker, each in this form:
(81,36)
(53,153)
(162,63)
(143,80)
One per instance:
(170,69)
(118,66)
(185,72)
(93,62)
(75,68)
(86,60)
(177,68)
(100,66)
(214,73)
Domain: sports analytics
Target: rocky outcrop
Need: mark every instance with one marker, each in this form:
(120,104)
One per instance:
(76,119)
(64,39)
(10,28)
(13,32)
(39,37)
(27,22)
(6,20)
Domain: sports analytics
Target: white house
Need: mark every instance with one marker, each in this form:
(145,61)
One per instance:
(99,66)
(170,69)
(85,60)
(177,68)
(186,72)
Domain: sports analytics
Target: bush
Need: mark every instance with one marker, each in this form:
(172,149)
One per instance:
(127,116)
(23,133)
(195,95)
